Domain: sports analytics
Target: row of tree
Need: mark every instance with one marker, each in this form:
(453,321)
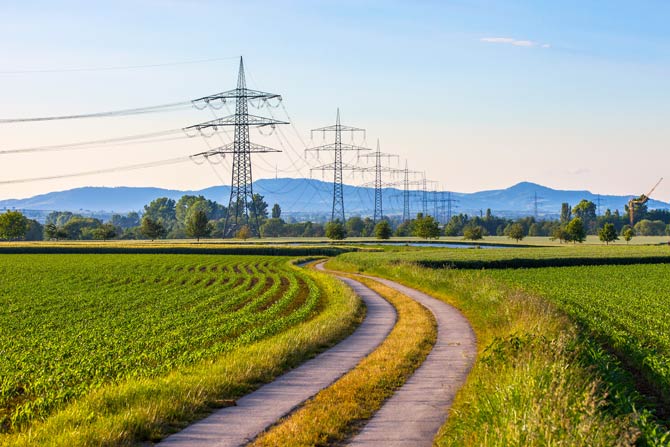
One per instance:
(198,217)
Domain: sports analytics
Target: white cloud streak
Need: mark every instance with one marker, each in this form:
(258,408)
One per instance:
(515,42)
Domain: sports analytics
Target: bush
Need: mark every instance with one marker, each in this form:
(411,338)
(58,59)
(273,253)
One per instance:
(335,230)
(473,233)
(383,230)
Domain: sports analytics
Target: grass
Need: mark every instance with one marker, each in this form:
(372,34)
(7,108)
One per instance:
(186,246)
(338,411)
(537,380)
(625,308)
(521,257)
(146,408)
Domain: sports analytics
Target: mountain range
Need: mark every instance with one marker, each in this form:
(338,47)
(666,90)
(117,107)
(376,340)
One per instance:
(312,199)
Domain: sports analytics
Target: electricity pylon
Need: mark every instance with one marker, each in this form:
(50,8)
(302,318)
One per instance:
(241,203)
(378,155)
(338,165)
(450,205)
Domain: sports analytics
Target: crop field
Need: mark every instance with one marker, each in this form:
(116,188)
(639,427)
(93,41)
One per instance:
(496,258)
(624,307)
(72,323)
(576,355)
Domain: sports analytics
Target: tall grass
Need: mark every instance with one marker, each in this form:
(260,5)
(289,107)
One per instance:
(536,380)
(338,411)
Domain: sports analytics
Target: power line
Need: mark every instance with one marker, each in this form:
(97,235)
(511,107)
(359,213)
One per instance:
(101,171)
(122,112)
(111,68)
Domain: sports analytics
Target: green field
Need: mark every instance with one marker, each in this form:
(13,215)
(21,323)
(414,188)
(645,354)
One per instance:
(626,308)
(70,324)
(567,355)
(494,258)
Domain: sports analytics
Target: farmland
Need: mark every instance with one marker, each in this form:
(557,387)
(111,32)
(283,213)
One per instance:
(623,307)
(71,324)
(574,355)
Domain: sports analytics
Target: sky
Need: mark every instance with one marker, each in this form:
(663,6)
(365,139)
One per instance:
(477,94)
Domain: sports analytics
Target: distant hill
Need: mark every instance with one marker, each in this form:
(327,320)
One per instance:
(312,199)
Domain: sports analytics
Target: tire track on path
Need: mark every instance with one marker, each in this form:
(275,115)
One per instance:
(255,412)
(415,413)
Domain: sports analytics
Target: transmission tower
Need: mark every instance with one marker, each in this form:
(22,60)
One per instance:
(598,205)
(406,193)
(241,207)
(535,200)
(450,205)
(378,155)
(338,165)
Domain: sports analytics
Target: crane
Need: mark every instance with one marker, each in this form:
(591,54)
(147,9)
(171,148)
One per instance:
(640,201)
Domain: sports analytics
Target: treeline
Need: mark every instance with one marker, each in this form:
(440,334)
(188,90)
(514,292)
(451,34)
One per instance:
(188,217)
(198,217)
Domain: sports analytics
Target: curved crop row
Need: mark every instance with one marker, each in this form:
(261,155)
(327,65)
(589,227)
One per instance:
(73,323)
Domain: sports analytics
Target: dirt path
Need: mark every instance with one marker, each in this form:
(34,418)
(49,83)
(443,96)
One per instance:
(415,413)
(234,426)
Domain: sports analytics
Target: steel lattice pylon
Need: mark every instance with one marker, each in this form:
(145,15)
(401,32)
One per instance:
(338,166)
(405,196)
(379,183)
(241,207)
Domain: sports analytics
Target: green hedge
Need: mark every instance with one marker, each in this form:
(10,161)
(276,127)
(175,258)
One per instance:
(260,250)
(517,263)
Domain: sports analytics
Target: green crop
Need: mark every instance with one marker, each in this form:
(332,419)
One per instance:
(72,323)
(625,308)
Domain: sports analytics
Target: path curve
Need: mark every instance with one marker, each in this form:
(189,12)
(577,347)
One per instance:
(255,412)
(415,413)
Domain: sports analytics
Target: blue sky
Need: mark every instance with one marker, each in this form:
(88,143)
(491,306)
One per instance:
(479,94)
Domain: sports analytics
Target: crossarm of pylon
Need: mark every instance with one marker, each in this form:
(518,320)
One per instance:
(230,149)
(331,167)
(242,93)
(382,155)
(230,121)
(339,127)
(343,146)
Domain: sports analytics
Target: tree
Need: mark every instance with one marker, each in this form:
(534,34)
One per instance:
(59,218)
(189,204)
(516,232)
(404,229)
(426,227)
(473,232)
(355,226)
(560,232)
(566,213)
(628,233)
(104,232)
(162,210)
(258,207)
(576,230)
(152,229)
(243,233)
(276,211)
(586,211)
(35,231)
(197,225)
(335,230)
(273,227)
(79,227)
(13,225)
(608,234)
(383,230)
(646,227)
(130,220)
(51,231)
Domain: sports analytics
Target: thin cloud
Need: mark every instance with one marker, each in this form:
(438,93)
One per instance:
(515,42)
